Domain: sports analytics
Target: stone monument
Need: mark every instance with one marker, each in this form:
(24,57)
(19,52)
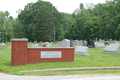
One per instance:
(82,50)
(101,45)
(76,42)
(112,48)
(65,43)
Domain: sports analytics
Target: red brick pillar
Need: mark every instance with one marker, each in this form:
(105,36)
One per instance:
(19,51)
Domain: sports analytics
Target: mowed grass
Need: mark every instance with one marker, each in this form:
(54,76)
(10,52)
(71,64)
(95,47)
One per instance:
(97,58)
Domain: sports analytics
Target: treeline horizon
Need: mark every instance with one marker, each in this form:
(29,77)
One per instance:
(39,21)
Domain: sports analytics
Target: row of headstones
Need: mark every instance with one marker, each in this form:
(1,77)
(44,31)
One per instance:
(68,43)
(40,44)
(112,48)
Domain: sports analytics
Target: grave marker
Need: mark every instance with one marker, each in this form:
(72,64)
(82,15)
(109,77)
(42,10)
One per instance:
(82,50)
(112,48)
(71,44)
(65,43)
(83,43)
(100,45)
(59,44)
(76,42)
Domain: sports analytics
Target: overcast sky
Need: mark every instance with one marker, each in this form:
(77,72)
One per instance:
(67,6)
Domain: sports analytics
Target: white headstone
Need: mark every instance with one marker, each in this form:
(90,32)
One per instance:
(65,43)
(36,45)
(76,42)
(48,44)
(80,42)
(112,48)
(10,47)
(40,44)
(82,50)
(96,43)
(100,39)
(119,45)
(101,45)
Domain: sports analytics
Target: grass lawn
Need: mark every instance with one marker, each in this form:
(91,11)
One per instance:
(97,58)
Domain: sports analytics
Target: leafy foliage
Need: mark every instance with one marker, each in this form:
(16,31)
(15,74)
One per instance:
(38,20)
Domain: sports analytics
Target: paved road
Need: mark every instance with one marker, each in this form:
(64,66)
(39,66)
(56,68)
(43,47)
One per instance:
(68,77)
(97,78)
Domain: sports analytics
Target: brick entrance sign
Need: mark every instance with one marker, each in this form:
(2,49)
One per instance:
(21,54)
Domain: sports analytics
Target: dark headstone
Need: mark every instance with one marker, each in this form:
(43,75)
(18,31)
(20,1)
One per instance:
(71,44)
(106,43)
(90,44)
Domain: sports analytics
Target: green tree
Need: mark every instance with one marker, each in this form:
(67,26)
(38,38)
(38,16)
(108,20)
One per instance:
(81,6)
(43,29)
(117,32)
(30,22)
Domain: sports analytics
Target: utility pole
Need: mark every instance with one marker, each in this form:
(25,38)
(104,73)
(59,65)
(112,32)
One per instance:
(54,34)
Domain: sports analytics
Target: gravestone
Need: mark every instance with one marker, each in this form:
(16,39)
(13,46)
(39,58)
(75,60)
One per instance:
(80,42)
(96,43)
(100,39)
(65,43)
(10,47)
(40,44)
(103,41)
(110,40)
(2,47)
(83,43)
(36,45)
(96,39)
(100,45)
(59,44)
(112,48)
(90,44)
(51,42)
(34,42)
(71,44)
(49,45)
(118,45)
(106,43)
(76,42)
(82,50)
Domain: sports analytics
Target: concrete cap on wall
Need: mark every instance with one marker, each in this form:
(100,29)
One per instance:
(19,39)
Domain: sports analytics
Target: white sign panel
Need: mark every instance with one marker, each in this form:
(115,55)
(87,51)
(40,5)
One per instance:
(51,54)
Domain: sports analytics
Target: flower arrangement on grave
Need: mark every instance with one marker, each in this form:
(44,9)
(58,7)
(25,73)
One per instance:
(44,44)
(3,45)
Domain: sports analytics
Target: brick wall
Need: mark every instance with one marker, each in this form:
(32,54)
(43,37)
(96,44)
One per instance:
(21,54)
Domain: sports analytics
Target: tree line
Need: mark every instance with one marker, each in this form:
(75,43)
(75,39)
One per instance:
(38,20)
